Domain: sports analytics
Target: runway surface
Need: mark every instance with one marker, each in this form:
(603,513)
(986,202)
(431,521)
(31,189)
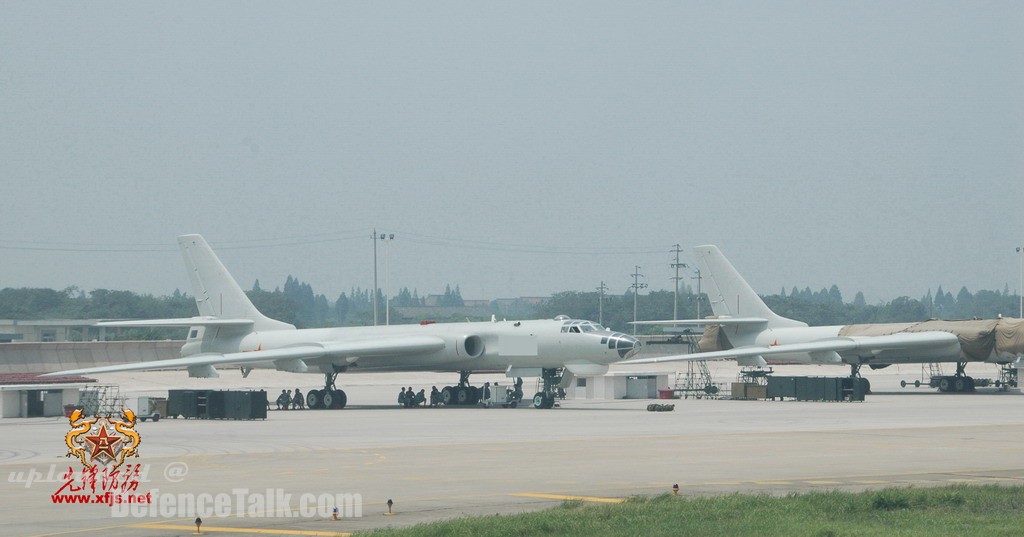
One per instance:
(448,462)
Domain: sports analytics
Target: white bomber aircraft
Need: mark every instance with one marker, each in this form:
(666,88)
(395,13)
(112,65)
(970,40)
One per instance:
(231,332)
(755,332)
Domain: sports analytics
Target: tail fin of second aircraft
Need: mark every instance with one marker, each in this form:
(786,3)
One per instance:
(217,293)
(730,295)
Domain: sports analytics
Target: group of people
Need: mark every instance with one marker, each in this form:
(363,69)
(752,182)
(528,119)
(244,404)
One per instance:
(287,401)
(407,398)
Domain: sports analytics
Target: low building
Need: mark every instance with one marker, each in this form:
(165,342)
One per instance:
(50,330)
(619,385)
(31,396)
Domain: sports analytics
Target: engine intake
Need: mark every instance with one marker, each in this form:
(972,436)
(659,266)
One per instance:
(473,346)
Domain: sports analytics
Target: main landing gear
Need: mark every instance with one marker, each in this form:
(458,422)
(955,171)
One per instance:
(467,395)
(865,386)
(329,397)
(958,383)
(546,398)
(461,395)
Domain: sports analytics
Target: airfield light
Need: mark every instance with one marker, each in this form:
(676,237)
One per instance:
(381,237)
(199,522)
(374,237)
(387,277)
(390,503)
(675,489)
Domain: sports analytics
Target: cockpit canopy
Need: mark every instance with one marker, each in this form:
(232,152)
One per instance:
(577,326)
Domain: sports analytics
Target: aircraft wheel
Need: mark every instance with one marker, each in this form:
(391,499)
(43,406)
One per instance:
(314,399)
(462,396)
(944,384)
(549,400)
(538,400)
(448,395)
(903,384)
(959,385)
(341,398)
(329,399)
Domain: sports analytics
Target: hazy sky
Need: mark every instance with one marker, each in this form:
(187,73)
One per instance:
(514,148)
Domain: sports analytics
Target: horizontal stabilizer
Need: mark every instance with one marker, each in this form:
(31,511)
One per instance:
(724,321)
(185,322)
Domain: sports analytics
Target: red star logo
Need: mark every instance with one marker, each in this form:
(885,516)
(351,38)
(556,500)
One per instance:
(103,444)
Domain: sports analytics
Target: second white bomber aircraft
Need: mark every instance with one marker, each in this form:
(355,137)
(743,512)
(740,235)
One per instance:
(231,332)
(754,333)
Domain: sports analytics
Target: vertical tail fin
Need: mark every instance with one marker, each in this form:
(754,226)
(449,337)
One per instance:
(217,293)
(729,294)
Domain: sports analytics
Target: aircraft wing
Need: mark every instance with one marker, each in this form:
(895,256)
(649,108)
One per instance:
(842,346)
(395,346)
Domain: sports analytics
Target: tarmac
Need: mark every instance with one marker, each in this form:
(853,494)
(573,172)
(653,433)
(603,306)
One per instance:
(443,463)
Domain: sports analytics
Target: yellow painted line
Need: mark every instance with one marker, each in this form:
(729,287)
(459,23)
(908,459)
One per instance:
(568,498)
(721,483)
(963,480)
(870,482)
(823,482)
(223,529)
(772,482)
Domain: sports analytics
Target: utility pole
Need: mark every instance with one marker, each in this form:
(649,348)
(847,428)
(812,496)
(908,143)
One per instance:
(600,303)
(1020,290)
(675,296)
(374,237)
(637,286)
(698,292)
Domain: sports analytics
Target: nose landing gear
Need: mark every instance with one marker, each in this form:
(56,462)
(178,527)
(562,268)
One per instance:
(546,397)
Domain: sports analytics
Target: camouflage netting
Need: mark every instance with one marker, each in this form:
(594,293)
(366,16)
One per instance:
(978,339)
(1010,336)
(714,339)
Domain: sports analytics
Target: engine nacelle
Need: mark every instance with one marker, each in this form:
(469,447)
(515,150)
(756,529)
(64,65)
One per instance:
(205,371)
(470,346)
(291,365)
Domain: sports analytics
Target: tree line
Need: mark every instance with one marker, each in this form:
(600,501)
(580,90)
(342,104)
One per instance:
(298,304)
